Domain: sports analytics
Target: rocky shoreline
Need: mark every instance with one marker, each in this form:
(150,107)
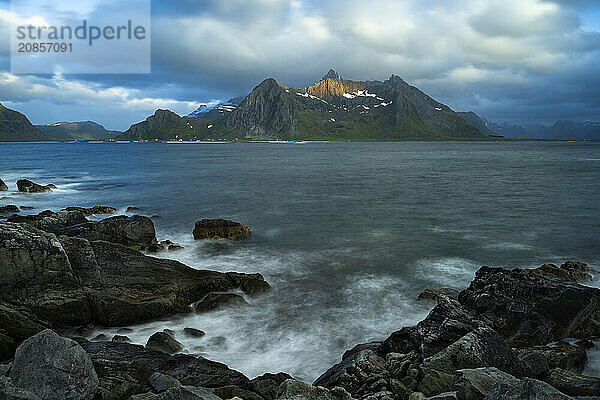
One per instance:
(512,334)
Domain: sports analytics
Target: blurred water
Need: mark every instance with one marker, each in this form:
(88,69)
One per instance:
(348,234)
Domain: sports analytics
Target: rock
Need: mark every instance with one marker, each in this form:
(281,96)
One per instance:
(161,382)
(118,364)
(267,385)
(4,369)
(136,232)
(215,301)
(9,209)
(26,186)
(565,355)
(27,208)
(175,247)
(192,332)
(570,271)
(573,384)
(524,389)
(100,338)
(297,390)
(220,229)
(3,186)
(93,210)
(444,396)
(179,393)
(8,391)
(529,310)
(53,367)
(155,248)
(164,342)
(7,346)
(125,286)
(132,209)
(416,396)
(121,339)
(434,294)
(50,221)
(231,391)
(474,384)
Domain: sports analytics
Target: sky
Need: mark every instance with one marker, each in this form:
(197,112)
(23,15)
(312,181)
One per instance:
(515,61)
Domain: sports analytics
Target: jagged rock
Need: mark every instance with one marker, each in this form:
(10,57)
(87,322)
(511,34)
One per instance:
(573,384)
(121,339)
(93,210)
(9,209)
(163,342)
(231,391)
(161,382)
(49,221)
(474,384)
(435,294)
(529,310)
(524,389)
(215,301)
(220,229)
(3,186)
(8,391)
(568,356)
(179,393)
(192,332)
(296,390)
(570,271)
(26,186)
(53,367)
(267,385)
(121,365)
(136,232)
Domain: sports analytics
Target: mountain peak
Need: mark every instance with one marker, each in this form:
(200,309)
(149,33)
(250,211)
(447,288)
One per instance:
(332,75)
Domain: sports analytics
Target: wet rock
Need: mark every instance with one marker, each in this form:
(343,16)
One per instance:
(49,221)
(231,391)
(3,186)
(136,232)
(573,384)
(474,384)
(27,186)
(297,390)
(565,355)
(524,389)
(435,294)
(179,393)
(267,385)
(96,210)
(165,244)
(121,339)
(100,338)
(9,209)
(570,271)
(119,364)
(132,209)
(163,342)
(161,382)
(53,367)
(8,391)
(192,332)
(175,247)
(220,229)
(169,332)
(214,301)
(529,310)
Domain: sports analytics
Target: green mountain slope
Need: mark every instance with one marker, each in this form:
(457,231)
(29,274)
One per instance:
(166,125)
(15,127)
(86,130)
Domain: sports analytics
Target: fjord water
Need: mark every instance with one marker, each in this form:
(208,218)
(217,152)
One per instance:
(348,234)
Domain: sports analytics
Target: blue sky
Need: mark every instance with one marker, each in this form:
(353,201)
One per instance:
(522,61)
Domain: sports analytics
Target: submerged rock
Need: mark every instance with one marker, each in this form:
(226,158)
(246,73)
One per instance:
(54,367)
(164,342)
(3,186)
(220,229)
(27,186)
(215,301)
(192,332)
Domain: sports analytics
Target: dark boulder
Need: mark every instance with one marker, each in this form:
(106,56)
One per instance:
(26,186)
(220,229)
(192,332)
(123,364)
(573,384)
(474,384)
(161,382)
(267,385)
(524,389)
(54,367)
(96,210)
(565,355)
(3,186)
(179,393)
(132,209)
(9,209)
(529,310)
(435,294)
(164,342)
(121,339)
(214,301)
(136,232)
(8,391)
(298,390)
(49,221)
(570,271)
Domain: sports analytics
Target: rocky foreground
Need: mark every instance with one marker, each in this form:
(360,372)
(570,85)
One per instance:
(520,334)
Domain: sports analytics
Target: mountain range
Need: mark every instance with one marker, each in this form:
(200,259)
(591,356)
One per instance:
(333,108)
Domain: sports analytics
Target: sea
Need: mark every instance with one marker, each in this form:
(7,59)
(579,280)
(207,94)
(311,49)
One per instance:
(348,234)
